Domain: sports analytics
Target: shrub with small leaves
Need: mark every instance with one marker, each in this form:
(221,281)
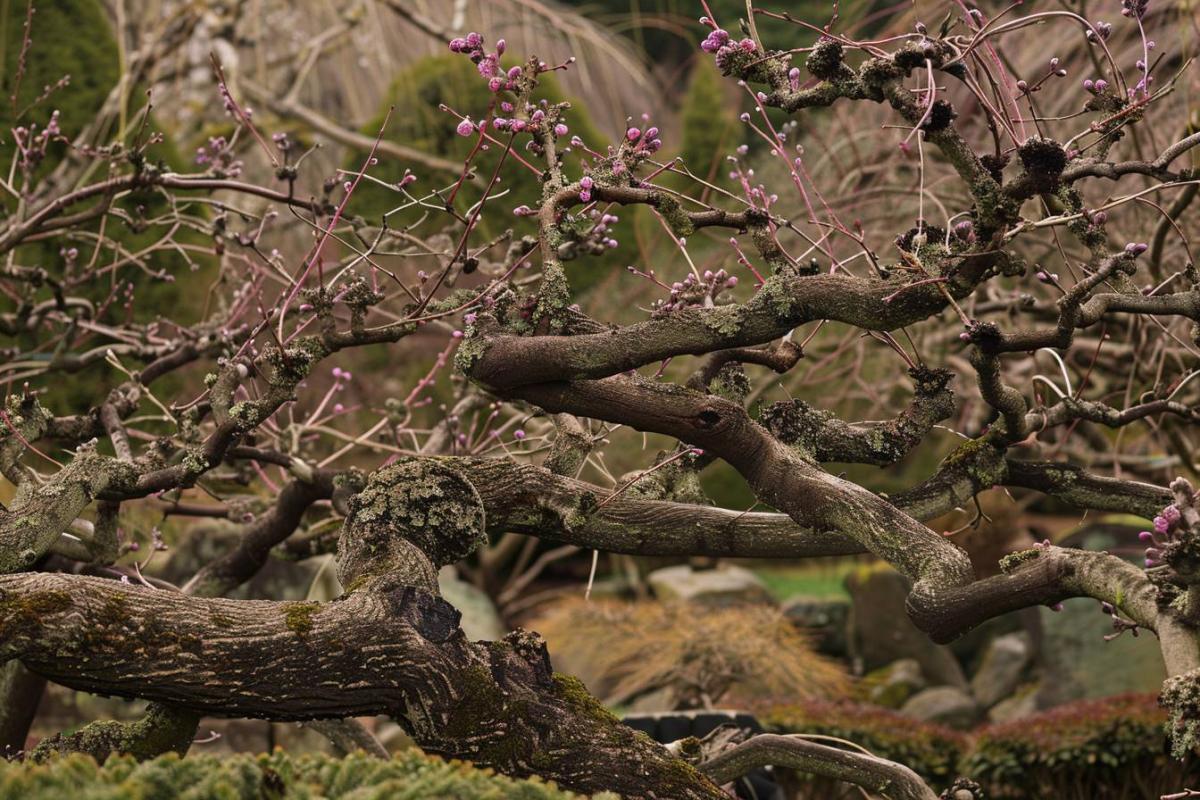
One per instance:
(1108,749)
(409,775)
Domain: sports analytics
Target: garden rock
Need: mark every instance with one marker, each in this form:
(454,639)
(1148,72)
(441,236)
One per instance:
(723,586)
(1000,670)
(480,621)
(1023,703)
(1082,665)
(880,631)
(946,705)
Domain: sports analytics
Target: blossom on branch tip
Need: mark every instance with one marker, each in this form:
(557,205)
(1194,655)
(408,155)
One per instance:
(715,41)
(1134,8)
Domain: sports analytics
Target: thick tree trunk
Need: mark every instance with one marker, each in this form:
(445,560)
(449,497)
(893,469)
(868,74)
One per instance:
(20,694)
(391,646)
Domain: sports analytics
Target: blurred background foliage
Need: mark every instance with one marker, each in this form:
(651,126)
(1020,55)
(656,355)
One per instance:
(634,57)
(71,65)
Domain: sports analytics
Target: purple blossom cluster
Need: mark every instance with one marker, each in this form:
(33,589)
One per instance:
(718,39)
(1104,29)
(219,157)
(531,118)
(646,140)
(591,233)
(487,63)
(284,143)
(32,143)
(602,225)
(1166,525)
(726,50)
(723,47)
(1134,8)
(227,100)
(694,291)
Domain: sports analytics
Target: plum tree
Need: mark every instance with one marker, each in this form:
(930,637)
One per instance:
(1016,243)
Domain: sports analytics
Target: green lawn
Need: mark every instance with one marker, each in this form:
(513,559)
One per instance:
(823,580)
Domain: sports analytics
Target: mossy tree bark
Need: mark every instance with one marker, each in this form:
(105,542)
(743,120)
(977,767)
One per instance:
(391,646)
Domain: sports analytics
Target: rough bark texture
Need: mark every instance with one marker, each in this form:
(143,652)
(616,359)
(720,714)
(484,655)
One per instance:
(879,775)
(391,646)
(384,649)
(162,729)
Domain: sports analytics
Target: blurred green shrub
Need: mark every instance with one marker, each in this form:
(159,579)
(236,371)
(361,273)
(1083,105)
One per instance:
(408,776)
(710,122)
(73,38)
(68,37)
(418,121)
(1113,748)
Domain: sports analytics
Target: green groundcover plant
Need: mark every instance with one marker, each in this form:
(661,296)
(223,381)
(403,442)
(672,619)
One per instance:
(407,776)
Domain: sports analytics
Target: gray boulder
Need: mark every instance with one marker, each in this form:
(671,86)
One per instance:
(480,621)
(1020,704)
(1080,664)
(726,585)
(880,631)
(946,705)
(1000,670)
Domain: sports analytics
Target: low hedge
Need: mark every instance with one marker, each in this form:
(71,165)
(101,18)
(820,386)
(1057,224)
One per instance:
(408,776)
(1114,748)
(1108,749)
